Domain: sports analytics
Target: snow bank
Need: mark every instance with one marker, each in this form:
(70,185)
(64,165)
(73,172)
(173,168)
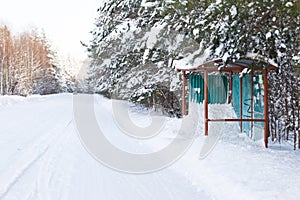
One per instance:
(8,100)
(237,167)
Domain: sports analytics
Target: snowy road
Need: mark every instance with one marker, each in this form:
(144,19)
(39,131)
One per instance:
(42,158)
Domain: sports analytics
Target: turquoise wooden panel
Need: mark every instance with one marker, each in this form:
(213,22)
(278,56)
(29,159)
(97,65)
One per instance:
(217,88)
(258,98)
(258,106)
(246,104)
(236,95)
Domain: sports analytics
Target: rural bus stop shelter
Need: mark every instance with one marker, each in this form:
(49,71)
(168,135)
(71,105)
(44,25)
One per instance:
(231,70)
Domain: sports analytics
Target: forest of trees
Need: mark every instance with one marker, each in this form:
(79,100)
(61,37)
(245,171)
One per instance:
(28,66)
(136,44)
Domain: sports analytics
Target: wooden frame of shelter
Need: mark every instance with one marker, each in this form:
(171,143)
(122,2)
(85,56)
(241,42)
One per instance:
(231,67)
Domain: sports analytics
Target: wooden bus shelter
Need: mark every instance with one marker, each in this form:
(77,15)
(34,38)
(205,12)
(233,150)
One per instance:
(251,65)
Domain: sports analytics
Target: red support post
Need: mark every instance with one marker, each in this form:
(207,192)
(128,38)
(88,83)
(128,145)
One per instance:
(230,88)
(206,102)
(236,120)
(241,103)
(183,109)
(266,106)
(251,106)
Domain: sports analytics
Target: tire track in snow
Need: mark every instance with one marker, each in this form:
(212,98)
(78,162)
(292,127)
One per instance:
(42,150)
(46,175)
(18,176)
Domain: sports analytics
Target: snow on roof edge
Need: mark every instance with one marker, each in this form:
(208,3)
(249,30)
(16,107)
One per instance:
(182,65)
(261,58)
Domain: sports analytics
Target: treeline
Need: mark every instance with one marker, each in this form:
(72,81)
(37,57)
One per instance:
(28,66)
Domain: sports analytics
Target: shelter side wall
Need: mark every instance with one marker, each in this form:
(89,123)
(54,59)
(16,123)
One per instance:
(255,129)
(217,88)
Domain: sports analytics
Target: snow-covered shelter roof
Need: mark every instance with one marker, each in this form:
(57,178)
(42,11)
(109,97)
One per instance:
(232,65)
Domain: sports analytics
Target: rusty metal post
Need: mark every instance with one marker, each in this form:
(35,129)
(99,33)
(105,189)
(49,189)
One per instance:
(183,109)
(206,103)
(230,88)
(266,106)
(251,106)
(241,103)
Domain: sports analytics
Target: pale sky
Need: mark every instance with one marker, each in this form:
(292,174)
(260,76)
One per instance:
(65,22)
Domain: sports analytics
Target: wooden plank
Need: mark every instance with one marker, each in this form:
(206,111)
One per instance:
(183,110)
(266,105)
(236,120)
(251,106)
(205,103)
(241,103)
(230,88)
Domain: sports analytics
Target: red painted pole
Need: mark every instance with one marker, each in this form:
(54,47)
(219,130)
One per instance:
(183,110)
(241,103)
(230,88)
(266,106)
(206,103)
(251,106)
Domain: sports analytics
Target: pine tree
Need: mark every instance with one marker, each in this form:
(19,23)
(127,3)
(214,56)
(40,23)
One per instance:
(232,29)
(130,58)
(137,42)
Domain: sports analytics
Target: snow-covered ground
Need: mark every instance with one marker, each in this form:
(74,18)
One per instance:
(42,158)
